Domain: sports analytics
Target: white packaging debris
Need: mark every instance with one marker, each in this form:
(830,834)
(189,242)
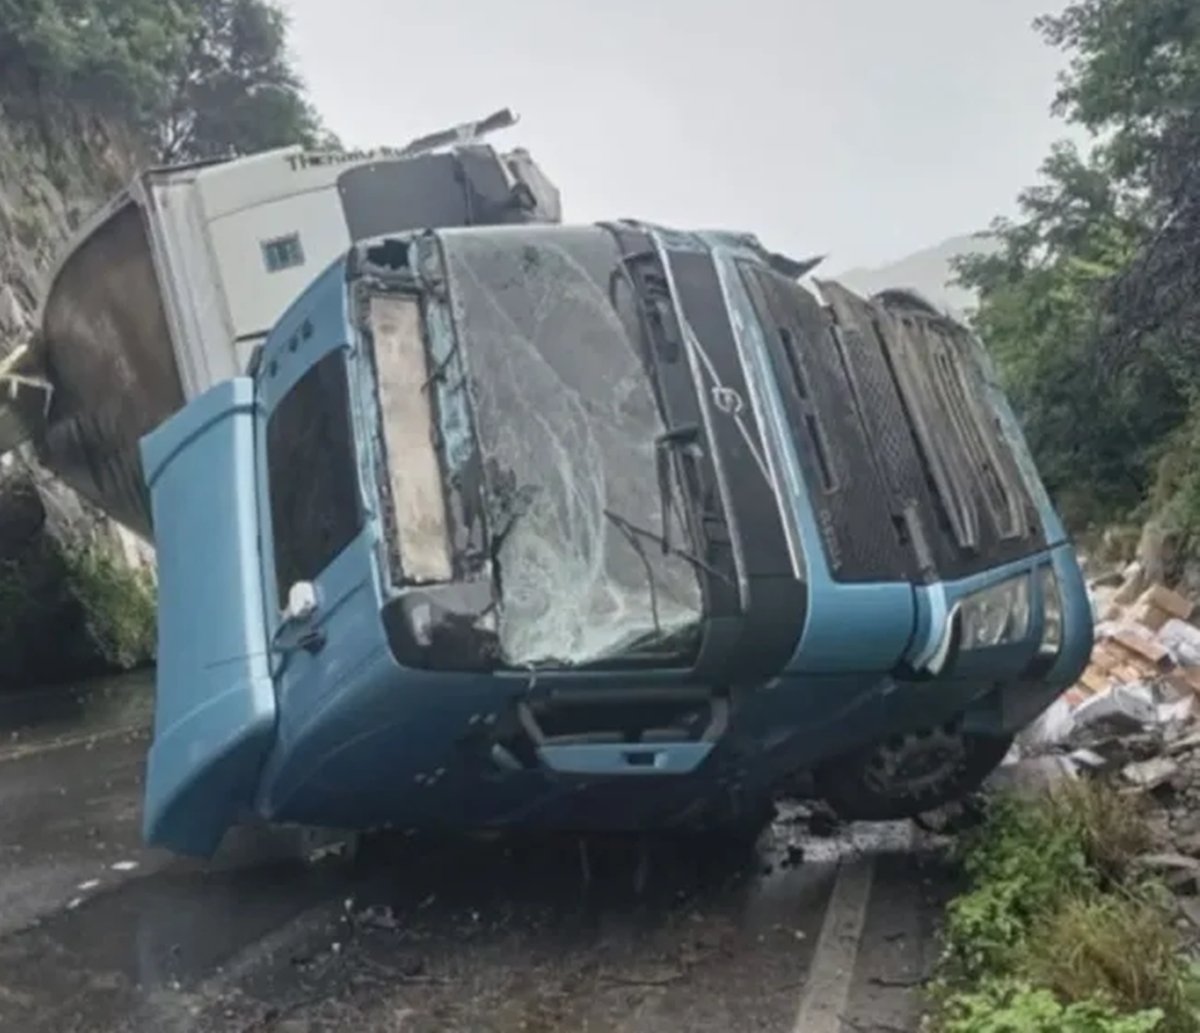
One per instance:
(1129,707)
(1183,640)
(1053,727)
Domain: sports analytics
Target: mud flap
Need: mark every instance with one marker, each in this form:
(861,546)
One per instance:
(215,703)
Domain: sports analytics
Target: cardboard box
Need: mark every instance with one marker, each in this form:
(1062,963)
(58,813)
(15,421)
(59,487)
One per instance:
(1126,673)
(1144,646)
(1185,679)
(1171,603)
(1106,657)
(1148,615)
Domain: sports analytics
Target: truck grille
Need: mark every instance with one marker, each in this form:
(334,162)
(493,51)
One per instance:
(974,508)
(909,472)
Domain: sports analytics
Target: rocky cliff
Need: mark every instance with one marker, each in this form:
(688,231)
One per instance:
(76,590)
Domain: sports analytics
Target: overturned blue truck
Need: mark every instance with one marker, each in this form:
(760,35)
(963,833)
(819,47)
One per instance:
(505,522)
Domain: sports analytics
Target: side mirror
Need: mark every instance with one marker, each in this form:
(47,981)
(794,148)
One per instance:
(301,602)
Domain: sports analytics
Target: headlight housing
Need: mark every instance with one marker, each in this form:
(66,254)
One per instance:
(1052,625)
(996,616)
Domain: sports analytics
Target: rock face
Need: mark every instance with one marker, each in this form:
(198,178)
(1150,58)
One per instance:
(76,590)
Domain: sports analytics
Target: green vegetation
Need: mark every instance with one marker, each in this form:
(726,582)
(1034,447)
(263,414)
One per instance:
(1092,304)
(1057,932)
(72,614)
(197,78)
(119,605)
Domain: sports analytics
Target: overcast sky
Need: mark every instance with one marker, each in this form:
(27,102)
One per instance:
(865,129)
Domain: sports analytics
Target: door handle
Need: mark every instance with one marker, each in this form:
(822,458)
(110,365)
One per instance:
(625,758)
(292,635)
(311,640)
(296,629)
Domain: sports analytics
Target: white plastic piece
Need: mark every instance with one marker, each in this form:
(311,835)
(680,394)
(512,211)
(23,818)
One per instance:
(302,602)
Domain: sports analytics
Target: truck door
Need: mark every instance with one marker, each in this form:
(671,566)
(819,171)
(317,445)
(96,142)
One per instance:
(214,715)
(321,600)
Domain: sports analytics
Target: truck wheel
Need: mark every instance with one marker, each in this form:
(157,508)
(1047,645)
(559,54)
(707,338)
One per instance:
(907,775)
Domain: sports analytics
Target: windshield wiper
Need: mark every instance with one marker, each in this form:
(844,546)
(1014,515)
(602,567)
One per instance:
(634,535)
(668,549)
(630,533)
(674,438)
(664,445)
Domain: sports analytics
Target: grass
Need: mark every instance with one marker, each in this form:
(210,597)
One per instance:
(1111,826)
(1111,947)
(1057,930)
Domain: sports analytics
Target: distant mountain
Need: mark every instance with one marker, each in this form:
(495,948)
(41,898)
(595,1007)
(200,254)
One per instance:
(927,272)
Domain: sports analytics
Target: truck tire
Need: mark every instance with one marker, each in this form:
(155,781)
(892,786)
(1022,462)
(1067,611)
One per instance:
(907,775)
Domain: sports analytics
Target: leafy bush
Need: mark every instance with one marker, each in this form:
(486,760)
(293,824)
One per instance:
(1018,862)
(72,613)
(119,605)
(1055,933)
(1012,1007)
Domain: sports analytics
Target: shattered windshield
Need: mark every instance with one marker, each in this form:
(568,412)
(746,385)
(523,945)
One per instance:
(567,425)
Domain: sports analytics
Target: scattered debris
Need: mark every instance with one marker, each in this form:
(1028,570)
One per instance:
(1150,774)
(1190,908)
(1133,718)
(1167,862)
(1137,698)
(1033,774)
(1089,760)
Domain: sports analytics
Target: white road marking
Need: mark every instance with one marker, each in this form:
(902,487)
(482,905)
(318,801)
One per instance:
(827,988)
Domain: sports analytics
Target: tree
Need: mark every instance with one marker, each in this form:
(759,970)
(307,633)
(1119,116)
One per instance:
(198,78)
(235,91)
(1091,304)
(116,50)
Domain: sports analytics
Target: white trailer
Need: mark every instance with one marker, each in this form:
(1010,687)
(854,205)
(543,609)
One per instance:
(169,288)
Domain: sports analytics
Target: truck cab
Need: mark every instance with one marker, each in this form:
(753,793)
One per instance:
(595,527)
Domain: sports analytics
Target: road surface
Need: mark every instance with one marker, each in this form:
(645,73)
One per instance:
(819,934)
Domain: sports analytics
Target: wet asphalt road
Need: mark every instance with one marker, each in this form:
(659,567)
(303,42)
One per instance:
(823,934)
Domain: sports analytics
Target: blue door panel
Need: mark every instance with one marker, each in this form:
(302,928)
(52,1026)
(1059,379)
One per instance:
(215,705)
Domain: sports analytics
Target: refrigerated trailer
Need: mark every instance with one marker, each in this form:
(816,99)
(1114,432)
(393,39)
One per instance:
(170,288)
